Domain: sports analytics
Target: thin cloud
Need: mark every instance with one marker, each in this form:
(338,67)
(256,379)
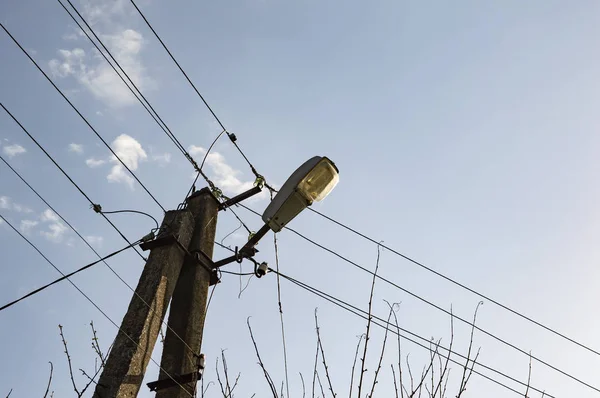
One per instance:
(13,150)
(56,229)
(7,203)
(93,163)
(163,159)
(27,225)
(76,148)
(95,240)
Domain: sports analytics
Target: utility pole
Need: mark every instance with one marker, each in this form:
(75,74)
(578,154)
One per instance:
(180,267)
(126,364)
(188,308)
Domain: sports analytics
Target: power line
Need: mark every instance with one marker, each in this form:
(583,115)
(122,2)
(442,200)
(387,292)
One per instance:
(91,247)
(68,177)
(44,287)
(137,93)
(447,278)
(365,315)
(481,295)
(231,136)
(489,334)
(82,117)
(87,297)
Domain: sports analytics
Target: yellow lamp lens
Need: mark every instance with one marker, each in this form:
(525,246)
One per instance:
(320,181)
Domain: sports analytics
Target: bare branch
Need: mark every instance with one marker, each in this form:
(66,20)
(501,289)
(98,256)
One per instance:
(10,392)
(320,385)
(49,381)
(223,389)
(320,346)
(528,378)
(303,386)
(387,329)
(260,362)
(96,345)
(354,363)
(466,371)
(62,336)
(394,376)
(369,320)
(445,368)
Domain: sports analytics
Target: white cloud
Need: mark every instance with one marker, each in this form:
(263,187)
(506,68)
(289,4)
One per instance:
(56,232)
(7,204)
(222,174)
(93,73)
(163,159)
(13,150)
(94,240)
(27,226)
(99,113)
(196,150)
(76,148)
(130,151)
(93,163)
(49,216)
(56,229)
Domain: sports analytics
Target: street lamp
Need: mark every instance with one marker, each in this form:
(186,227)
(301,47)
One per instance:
(311,182)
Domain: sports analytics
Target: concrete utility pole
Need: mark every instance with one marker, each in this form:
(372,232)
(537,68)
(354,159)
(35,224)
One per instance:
(126,364)
(188,308)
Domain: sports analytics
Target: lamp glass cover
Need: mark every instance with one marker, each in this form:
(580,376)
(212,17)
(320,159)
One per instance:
(320,181)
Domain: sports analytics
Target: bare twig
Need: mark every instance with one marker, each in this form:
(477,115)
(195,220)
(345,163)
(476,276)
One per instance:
(369,320)
(260,362)
(394,377)
(223,389)
(49,381)
(303,386)
(354,363)
(385,336)
(10,392)
(320,385)
(62,336)
(399,348)
(528,378)
(96,345)
(466,371)
(444,370)
(314,380)
(320,346)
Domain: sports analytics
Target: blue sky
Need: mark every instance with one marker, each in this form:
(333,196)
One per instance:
(465,134)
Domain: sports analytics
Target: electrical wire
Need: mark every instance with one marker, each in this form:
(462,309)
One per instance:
(481,295)
(82,117)
(91,247)
(68,177)
(285,361)
(465,321)
(463,286)
(134,212)
(135,90)
(87,297)
(365,315)
(231,136)
(44,287)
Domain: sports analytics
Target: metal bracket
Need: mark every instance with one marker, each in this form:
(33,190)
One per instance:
(207,264)
(158,242)
(237,199)
(174,381)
